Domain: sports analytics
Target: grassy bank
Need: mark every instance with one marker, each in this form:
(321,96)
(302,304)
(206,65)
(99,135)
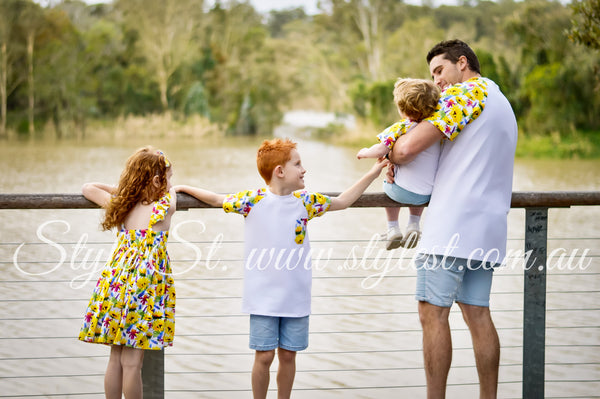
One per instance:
(153,126)
(579,145)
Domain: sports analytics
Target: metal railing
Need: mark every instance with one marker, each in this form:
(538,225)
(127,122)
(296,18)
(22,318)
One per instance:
(534,309)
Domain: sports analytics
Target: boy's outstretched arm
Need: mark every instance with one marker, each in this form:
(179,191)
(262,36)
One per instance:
(98,193)
(348,197)
(206,196)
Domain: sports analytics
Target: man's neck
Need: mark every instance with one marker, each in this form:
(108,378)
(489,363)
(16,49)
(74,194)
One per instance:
(468,74)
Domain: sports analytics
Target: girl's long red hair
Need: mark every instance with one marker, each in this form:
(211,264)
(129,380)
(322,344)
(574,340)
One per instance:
(136,185)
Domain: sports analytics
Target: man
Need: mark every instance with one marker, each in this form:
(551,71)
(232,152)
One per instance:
(464,235)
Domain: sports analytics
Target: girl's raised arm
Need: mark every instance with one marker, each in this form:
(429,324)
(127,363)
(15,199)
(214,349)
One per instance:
(98,193)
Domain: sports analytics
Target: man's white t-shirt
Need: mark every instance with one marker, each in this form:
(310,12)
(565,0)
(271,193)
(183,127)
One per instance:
(277,267)
(467,213)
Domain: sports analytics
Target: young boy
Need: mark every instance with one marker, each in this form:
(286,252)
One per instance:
(416,99)
(277,272)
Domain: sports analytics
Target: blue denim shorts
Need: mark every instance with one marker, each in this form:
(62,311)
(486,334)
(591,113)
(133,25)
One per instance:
(403,196)
(270,332)
(444,280)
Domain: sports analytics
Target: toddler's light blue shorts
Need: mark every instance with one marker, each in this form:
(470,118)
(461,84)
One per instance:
(444,280)
(270,332)
(403,196)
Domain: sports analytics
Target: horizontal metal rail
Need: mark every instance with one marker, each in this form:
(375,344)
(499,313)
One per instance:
(524,199)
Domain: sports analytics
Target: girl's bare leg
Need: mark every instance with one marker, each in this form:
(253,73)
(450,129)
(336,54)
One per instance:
(131,362)
(113,378)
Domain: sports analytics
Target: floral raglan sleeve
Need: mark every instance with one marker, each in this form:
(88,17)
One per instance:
(459,105)
(316,205)
(389,136)
(243,201)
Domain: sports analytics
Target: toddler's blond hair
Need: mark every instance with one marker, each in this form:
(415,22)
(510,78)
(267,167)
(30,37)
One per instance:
(416,98)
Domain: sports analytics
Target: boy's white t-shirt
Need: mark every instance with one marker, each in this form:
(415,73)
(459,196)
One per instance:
(277,267)
(467,213)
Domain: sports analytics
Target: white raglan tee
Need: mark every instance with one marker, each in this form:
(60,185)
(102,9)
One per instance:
(277,266)
(467,213)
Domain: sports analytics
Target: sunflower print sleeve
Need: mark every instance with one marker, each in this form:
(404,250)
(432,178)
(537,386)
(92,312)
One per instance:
(389,136)
(316,205)
(243,201)
(459,105)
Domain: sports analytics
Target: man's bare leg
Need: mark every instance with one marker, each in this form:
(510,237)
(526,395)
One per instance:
(486,346)
(437,348)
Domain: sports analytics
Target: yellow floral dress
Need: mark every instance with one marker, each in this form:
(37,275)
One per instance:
(133,303)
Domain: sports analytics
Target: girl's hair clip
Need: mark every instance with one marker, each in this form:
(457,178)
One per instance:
(167,163)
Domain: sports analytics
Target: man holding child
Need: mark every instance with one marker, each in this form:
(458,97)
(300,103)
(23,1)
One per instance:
(465,232)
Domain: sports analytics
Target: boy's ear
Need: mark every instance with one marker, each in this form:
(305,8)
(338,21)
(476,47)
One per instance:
(278,171)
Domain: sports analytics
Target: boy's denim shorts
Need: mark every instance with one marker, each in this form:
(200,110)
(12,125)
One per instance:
(270,332)
(403,196)
(444,280)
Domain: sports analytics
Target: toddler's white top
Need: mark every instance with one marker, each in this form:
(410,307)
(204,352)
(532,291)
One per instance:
(416,176)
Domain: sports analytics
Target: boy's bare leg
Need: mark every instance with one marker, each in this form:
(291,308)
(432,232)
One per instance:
(285,373)
(486,346)
(437,348)
(131,361)
(260,373)
(113,378)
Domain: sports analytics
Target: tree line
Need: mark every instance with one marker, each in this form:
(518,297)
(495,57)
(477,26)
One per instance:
(240,70)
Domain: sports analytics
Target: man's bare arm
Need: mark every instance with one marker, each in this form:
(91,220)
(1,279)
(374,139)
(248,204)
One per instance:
(416,140)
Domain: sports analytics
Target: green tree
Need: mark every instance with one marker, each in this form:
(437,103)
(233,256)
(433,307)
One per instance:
(32,22)
(11,52)
(168,32)
(245,85)
(538,31)
(586,23)
(65,70)
(278,19)
(359,28)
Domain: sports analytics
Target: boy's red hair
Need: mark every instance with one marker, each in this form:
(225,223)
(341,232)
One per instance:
(271,154)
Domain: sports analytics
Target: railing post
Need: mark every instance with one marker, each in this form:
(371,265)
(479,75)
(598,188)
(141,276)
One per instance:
(153,374)
(534,305)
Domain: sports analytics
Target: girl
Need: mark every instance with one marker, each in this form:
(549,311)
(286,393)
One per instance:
(133,304)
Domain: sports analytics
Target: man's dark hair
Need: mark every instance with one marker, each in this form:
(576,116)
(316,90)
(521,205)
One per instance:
(452,51)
